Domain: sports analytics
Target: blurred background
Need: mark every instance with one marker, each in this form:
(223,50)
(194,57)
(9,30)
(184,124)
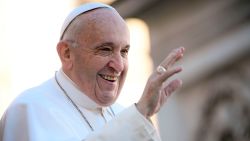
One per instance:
(215,33)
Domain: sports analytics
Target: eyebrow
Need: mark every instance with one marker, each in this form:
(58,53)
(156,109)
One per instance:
(105,44)
(111,44)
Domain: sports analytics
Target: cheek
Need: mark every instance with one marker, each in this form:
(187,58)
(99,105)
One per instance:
(91,66)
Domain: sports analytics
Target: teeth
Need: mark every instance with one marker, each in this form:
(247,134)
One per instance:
(110,78)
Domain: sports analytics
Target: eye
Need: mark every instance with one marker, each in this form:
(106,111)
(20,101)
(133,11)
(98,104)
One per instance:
(124,52)
(104,51)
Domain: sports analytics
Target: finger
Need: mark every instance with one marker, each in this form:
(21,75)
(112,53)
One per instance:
(176,55)
(173,57)
(172,86)
(168,73)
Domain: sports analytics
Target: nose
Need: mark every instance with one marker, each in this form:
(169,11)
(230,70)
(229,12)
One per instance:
(117,62)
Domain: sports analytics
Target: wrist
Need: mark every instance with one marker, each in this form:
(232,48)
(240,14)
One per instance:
(142,111)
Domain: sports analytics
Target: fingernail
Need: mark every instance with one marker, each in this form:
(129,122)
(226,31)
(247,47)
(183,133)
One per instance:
(182,49)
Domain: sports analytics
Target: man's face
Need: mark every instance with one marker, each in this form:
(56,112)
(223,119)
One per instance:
(100,63)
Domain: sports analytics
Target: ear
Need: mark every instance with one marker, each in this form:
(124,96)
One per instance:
(63,50)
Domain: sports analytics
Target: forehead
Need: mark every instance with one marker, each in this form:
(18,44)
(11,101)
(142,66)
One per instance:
(102,24)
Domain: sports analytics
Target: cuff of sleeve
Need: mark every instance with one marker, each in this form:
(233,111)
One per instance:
(139,124)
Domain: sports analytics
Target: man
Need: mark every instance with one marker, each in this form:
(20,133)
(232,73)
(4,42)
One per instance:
(79,102)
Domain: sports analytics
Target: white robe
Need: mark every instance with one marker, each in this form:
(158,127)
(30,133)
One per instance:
(44,113)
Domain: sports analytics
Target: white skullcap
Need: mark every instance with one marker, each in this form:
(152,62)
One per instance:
(80,10)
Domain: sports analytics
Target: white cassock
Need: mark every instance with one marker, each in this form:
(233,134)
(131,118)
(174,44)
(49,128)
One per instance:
(44,113)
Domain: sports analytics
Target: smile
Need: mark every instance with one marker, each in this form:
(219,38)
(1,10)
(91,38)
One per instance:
(109,77)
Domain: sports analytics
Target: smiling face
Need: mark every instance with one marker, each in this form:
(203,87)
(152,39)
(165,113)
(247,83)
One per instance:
(99,63)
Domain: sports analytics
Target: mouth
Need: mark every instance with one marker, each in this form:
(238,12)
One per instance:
(109,77)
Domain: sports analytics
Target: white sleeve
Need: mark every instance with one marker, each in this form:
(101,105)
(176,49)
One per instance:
(129,125)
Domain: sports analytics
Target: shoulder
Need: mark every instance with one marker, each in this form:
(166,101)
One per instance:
(38,101)
(36,95)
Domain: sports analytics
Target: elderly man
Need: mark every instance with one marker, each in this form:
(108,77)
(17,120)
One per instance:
(79,102)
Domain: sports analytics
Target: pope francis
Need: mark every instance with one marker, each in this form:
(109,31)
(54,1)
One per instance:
(79,102)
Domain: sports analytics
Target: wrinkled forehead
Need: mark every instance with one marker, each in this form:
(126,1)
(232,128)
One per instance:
(98,26)
(81,10)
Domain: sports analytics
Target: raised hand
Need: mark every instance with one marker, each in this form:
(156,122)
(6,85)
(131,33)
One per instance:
(157,88)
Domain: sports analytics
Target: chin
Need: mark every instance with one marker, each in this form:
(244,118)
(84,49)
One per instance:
(107,101)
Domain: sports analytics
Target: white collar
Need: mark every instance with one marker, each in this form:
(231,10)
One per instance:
(73,91)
